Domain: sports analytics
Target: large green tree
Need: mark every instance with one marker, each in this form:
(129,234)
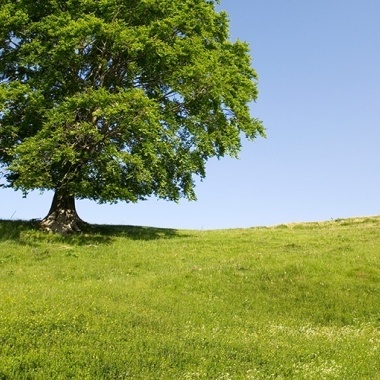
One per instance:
(118,99)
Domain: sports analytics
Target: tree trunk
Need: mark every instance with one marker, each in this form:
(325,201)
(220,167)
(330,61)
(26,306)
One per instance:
(62,217)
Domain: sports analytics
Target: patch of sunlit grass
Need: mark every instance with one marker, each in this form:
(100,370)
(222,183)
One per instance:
(289,302)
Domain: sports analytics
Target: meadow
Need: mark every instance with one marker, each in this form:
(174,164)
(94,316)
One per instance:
(297,301)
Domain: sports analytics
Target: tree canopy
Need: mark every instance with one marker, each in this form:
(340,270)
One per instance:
(119,99)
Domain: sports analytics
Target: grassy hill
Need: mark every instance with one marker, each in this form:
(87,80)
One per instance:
(297,301)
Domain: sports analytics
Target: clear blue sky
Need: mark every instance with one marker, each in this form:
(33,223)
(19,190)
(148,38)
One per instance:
(319,79)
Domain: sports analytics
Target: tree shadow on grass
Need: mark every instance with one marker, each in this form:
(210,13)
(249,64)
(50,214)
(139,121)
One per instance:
(29,233)
(136,232)
(12,230)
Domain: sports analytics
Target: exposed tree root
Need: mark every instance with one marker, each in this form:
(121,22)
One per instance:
(63,222)
(62,217)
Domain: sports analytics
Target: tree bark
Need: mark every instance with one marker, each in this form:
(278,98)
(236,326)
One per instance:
(62,217)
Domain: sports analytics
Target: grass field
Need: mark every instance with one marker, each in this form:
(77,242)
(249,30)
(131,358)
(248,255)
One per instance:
(295,301)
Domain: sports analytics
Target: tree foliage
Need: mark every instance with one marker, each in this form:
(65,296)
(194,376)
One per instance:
(119,99)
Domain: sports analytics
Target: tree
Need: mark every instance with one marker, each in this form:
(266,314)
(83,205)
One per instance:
(115,100)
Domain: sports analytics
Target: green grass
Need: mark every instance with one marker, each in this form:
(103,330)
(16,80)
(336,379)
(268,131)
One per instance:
(295,301)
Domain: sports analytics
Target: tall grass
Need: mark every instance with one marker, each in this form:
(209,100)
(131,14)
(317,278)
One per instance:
(291,302)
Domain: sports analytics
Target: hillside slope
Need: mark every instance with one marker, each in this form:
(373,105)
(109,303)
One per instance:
(297,301)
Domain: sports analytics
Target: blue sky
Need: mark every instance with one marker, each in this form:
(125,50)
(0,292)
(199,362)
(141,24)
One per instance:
(319,79)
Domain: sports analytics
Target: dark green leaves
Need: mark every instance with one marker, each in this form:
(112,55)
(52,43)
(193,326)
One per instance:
(120,100)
